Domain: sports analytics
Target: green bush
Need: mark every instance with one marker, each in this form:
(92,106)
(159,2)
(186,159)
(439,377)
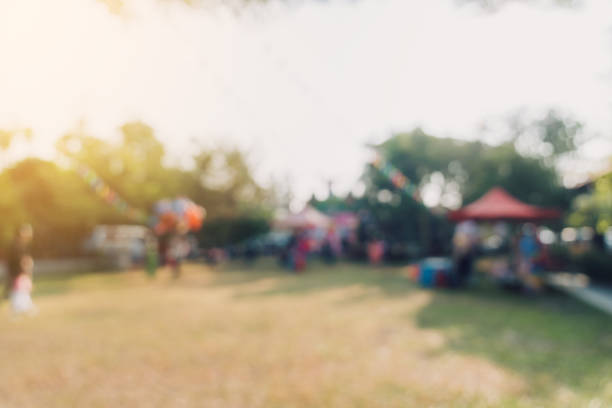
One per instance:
(229,231)
(596,264)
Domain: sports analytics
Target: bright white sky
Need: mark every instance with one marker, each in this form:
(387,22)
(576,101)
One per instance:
(303,88)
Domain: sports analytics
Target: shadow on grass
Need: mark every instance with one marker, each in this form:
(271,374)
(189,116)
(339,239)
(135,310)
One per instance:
(550,339)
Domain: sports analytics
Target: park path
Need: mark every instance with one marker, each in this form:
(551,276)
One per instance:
(597,296)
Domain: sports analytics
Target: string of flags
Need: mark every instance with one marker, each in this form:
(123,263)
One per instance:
(399,180)
(107,194)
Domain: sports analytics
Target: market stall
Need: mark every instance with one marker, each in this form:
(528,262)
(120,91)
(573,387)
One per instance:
(520,266)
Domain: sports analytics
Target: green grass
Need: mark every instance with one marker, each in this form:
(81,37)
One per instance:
(340,336)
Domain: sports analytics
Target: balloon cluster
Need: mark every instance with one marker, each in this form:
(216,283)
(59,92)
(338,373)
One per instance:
(180,215)
(107,194)
(398,179)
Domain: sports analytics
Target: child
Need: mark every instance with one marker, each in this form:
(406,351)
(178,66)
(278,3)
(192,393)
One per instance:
(21,298)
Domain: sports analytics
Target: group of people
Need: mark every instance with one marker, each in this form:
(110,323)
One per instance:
(18,276)
(527,256)
(331,245)
(301,243)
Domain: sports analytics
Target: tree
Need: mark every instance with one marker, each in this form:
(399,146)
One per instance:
(7,136)
(466,169)
(594,209)
(471,167)
(55,201)
(527,178)
(9,204)
(550,138)
(237,206)
(221,180)
(133,167)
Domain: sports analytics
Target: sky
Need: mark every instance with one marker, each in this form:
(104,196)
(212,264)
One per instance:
(303,89)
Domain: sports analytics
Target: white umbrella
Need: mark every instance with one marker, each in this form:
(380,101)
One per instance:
(307,218)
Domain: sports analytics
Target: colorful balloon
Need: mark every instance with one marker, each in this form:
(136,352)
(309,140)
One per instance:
(180,215)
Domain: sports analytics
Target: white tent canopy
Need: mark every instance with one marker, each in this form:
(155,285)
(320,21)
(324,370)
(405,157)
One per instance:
(309,217)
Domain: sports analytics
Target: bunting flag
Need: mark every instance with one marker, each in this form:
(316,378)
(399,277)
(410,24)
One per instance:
(108,195)
(396,177)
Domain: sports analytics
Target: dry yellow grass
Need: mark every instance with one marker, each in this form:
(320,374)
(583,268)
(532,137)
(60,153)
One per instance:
(343,337)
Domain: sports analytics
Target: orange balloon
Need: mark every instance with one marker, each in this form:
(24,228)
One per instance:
(195,217)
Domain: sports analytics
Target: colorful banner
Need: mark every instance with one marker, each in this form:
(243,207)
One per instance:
(396,177)
(108,195)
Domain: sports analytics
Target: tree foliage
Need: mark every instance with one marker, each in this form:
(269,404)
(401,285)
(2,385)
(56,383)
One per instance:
(63,208)
(7,136)
(471,168)
(55,200)
(549,138)
(133,167)
(595,209)
(461,171)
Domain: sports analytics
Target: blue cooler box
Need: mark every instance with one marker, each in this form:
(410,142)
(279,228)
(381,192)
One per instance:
(431,267)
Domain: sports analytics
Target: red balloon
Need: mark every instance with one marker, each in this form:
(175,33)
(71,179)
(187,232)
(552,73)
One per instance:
(194,216)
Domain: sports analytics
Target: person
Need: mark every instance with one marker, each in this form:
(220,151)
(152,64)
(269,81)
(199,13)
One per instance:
(301,250)
(163,248)
(332,246)
(151,255)
(286,254)
(19,257)
(464,243)
(21,292)
(327,253)
(178,250)
(173,256)
(250,253)
(376,251)
(528,249)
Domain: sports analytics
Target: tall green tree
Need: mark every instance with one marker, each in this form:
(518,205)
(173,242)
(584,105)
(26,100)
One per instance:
(468,169)
(594,209)
(237,206)
(133,166)
(55,201)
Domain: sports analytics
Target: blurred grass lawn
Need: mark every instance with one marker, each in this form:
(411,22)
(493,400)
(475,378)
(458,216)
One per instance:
(340,336)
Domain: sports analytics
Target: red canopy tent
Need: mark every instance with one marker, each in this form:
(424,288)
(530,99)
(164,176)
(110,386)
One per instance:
(498,205)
